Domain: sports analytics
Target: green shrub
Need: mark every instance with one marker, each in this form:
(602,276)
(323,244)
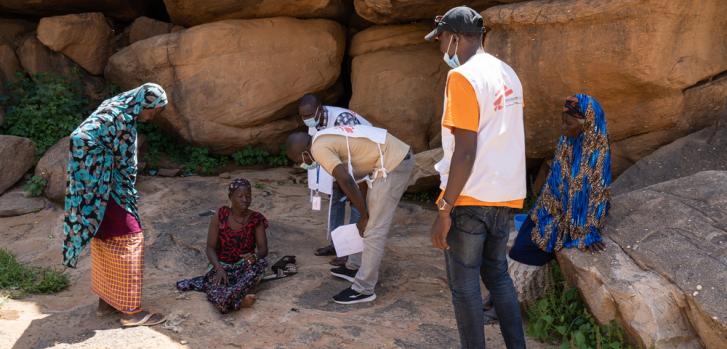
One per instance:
(17,280)
(44,108)
(250,156)
(562,317)
(35,185)
(200,160)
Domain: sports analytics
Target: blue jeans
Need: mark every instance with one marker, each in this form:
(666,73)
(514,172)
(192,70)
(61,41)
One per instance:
(337,211)
(477,249)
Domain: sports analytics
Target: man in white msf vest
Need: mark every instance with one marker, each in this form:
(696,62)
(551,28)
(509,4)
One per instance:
(317,117)
(373,157)
(482,176)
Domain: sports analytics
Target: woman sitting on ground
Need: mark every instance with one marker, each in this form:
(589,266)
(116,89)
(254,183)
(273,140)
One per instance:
(235,268)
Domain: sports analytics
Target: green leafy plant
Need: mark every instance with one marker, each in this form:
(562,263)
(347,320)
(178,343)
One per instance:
(44,108)
(250,156)
(17,280)
(35,186)
(562,317)
(200,160)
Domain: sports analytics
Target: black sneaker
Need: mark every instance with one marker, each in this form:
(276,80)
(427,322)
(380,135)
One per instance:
(349,296)
(344,273)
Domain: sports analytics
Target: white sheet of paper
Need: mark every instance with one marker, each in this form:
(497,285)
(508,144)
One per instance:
(347,240)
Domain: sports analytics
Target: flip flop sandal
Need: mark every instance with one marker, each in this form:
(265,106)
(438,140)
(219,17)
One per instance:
(326,251)
(282,263)
(145,321)
(282,268)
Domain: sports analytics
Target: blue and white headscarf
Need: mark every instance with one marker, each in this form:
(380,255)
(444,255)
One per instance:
(575,198)
(103,165)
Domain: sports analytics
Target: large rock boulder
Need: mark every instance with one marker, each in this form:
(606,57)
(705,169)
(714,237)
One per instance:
(35,57)
(402,11)
(53,166)
(17,203)
(85,38)
(190,13)
(17,156)
(227,84)
(700,151)
(663,276)
(657,75)
(145,27)
(13,29)
(9,65)
(398,82)
(121,9)
(615,287)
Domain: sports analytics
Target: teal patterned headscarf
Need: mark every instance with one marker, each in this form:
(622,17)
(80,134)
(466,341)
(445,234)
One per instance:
(103,165)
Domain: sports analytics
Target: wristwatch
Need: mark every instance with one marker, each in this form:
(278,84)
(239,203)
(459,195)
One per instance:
(443,205)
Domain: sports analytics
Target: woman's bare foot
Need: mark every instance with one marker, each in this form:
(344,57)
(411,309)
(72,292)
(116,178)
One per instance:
(104,308)
(142,318)
(248,300)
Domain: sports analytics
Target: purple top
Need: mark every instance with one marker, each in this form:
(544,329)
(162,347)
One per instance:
(117,222)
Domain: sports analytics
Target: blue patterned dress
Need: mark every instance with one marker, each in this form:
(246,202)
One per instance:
(574,201)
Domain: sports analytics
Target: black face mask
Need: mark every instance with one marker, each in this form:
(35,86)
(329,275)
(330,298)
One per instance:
(573,110)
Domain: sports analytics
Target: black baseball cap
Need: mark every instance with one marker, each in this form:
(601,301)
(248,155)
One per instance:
(460,19)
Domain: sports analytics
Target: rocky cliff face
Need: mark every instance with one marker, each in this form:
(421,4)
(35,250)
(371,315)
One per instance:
(235,69)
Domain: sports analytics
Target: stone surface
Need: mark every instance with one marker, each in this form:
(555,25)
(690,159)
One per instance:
(227,86)
(16,203)
(9,65)
(53,167)
(700,151)
(17,156)
(13,29)
(35,57)
(85,38)
(145,27)
(190,13)
(424,174)
(121,9)
(398,82)
(684,217)
(168,172)
(412,310)
(402,11)
(647,305)
(664,55)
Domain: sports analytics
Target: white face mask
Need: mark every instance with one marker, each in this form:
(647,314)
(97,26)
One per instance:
(313,121)
(452,61)
(306,166)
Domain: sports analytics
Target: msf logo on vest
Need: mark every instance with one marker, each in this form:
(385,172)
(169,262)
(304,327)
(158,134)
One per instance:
(504,98)
(346,129)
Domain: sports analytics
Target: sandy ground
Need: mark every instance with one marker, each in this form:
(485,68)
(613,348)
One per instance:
(413,308)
